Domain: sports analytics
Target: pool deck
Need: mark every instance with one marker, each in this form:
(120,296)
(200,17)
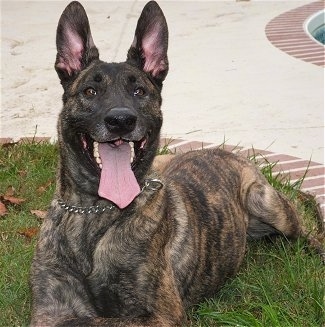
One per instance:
(242,73)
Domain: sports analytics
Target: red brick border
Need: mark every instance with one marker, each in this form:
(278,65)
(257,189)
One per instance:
(287,33)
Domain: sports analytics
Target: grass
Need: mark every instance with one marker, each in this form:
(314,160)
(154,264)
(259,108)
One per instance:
(279,284)
(25,170)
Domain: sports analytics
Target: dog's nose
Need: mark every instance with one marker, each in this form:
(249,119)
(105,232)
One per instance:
(120,121)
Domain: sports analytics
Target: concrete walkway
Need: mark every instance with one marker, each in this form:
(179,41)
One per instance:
(227,82)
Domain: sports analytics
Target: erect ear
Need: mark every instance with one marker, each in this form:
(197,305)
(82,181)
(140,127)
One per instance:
(149,48)
(75,45)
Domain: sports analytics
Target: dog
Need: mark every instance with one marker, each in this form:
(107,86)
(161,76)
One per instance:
(124,244)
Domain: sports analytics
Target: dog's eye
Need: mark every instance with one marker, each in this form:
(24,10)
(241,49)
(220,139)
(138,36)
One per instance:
(139,92)
(90,92)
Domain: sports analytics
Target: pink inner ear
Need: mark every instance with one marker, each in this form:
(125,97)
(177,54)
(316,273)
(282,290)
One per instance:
(70,59)
(153,52)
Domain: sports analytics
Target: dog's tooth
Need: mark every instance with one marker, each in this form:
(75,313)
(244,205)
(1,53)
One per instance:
(96,152)
(97,156)
(132,151)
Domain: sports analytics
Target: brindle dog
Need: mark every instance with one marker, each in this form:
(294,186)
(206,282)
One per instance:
(123,245)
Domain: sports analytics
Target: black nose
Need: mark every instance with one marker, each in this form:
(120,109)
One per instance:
(120,121)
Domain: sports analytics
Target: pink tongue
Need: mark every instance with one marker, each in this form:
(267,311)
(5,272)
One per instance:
(117,181)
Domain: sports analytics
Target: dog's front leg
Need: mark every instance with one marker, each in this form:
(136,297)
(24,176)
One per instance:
(57,296)
(61,297)
(63,302)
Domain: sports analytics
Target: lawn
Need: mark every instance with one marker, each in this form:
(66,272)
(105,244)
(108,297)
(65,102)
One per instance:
(280,283)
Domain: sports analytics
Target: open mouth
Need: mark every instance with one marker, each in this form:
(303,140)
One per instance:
(116,161)
(115,144)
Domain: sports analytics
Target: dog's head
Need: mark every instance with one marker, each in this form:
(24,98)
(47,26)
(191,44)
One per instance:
(111,118)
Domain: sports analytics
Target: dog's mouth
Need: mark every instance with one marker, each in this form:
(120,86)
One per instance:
(136,150)
(116,161)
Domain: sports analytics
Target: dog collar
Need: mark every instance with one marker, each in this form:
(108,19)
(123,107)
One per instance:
(91,209)
(149,184)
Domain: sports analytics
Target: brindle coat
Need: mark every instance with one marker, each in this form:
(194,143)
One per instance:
(172,246)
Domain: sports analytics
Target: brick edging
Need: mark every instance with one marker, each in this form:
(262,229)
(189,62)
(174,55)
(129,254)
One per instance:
(287,33)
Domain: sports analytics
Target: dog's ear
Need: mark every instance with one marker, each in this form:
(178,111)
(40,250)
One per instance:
(149,48)
(75,45)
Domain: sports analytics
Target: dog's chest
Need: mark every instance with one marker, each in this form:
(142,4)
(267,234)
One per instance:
(116,279)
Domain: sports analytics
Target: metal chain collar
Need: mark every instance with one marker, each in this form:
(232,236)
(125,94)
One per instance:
(92,209)
(149,184)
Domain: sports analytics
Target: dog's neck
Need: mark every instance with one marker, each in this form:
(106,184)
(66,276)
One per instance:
(152,185)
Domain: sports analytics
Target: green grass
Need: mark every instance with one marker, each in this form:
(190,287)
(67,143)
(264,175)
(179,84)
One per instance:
(27,168)
(279,284)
